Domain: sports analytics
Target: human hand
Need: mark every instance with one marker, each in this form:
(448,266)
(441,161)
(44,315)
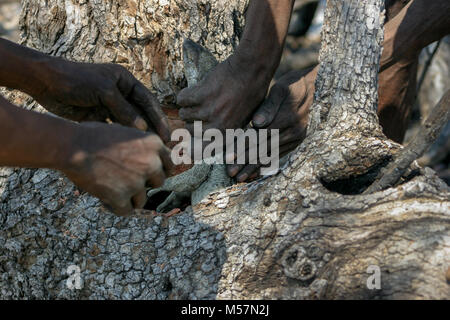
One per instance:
(115,164)
(226,97)
(286,108)
(74,86)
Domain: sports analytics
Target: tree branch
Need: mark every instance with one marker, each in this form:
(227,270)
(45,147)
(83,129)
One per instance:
(425,137)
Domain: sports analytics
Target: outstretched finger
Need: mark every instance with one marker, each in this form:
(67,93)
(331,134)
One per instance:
(145,101)
(269,108)
(191,97)
(247,172)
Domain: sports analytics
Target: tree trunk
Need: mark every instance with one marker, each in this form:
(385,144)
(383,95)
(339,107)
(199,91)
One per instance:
(307,232)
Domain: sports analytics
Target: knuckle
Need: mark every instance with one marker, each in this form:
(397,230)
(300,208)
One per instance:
(155,142)
(121,72)
(154,166)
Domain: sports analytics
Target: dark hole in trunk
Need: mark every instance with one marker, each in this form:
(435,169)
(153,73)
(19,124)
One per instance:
(154,201)
(356,184)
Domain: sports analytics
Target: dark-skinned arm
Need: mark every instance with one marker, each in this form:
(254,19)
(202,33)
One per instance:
(28,138)
(230,93)
(411,30)
(59,83)
(418,24)
(111,162)
(262,42)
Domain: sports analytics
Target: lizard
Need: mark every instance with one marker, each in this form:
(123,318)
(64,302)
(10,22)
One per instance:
(203,178)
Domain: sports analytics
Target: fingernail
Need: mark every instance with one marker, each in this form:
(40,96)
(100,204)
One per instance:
(259,120)
(140,124)
(242,177)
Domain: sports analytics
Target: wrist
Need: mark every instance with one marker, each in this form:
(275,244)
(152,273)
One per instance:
(46,68)
(259,66)
(262,44)
(23,68)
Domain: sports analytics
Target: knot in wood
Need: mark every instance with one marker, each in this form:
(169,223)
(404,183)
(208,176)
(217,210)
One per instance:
(296,264)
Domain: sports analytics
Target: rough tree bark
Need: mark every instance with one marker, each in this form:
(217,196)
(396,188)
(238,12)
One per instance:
(294,235)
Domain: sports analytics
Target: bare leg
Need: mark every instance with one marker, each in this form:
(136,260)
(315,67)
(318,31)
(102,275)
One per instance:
(397,87)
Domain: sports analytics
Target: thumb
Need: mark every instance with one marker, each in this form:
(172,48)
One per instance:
(269,108)
(190,97)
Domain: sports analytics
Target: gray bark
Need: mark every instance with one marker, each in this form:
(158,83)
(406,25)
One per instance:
(291,236)
(9,18)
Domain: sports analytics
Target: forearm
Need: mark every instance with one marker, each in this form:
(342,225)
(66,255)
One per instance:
(22,68)
(34,140)
(265,31)
(418,24)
